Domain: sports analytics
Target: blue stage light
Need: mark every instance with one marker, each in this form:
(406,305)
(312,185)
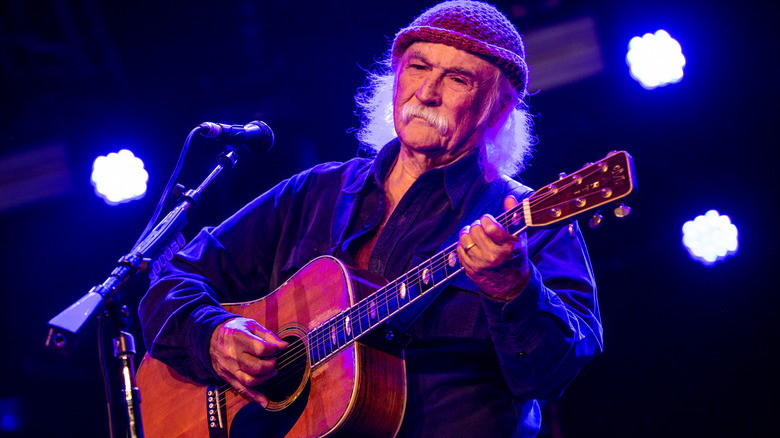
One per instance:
(655,59)
(119,177)
(710,238)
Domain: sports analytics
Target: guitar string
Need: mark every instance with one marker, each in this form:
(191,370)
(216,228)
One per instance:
(297,348)
(413,278)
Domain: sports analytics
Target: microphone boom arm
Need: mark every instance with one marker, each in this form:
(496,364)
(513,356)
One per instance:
(69,326)
(65,329)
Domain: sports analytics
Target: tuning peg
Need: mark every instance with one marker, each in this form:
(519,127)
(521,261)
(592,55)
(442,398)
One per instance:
(562,175)
(595,221)
(622,211)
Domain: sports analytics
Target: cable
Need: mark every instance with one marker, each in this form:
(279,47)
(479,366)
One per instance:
(168,187)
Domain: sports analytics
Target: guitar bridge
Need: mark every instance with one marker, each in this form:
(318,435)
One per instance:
(216,407)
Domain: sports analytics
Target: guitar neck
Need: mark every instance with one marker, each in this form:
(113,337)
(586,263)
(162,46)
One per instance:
(377,308)
(596,184)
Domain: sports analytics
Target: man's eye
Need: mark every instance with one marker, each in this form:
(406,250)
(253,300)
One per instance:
(417,66)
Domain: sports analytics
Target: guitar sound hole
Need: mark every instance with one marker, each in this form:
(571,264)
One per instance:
(293,371)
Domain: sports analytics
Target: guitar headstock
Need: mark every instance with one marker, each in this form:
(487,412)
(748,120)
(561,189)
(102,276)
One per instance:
(600,183)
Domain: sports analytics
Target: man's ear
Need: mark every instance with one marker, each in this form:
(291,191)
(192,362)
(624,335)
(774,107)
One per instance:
(500,111)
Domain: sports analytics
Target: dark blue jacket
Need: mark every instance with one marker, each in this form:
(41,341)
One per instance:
(475,365)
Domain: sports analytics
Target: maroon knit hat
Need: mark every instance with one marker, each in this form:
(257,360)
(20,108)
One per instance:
(472,26)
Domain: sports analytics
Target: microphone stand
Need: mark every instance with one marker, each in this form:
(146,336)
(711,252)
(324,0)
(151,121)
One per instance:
(69,326)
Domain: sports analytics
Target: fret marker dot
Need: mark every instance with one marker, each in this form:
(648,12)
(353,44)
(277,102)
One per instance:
(333,337)
(347,325)
(451,259)
(426,275)
(402,293)
(372,309)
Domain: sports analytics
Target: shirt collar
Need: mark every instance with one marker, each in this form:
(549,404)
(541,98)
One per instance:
(378,169)
(457,177)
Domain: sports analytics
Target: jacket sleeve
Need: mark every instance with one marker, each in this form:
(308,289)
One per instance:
(552,328)
(229,263)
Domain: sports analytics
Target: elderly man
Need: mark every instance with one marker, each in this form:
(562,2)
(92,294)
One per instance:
(514,329)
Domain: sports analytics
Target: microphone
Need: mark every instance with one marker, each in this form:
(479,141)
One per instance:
(255,136)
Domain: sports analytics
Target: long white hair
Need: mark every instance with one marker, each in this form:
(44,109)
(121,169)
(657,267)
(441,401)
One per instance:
(505,148)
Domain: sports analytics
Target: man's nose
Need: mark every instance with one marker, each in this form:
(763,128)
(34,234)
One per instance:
(429,92)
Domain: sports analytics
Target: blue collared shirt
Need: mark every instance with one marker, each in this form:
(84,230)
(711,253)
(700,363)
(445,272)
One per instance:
(475,365)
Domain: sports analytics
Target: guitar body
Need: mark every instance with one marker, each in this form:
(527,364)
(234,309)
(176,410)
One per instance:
(359,391)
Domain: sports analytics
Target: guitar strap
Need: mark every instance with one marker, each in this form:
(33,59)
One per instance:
(488,200)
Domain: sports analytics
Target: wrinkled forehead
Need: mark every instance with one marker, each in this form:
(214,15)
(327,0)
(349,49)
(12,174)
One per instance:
(447,57)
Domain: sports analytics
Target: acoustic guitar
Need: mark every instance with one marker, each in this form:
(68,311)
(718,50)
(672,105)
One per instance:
(329,383)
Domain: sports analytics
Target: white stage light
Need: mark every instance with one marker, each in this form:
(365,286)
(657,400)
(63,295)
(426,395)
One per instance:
(119,177)
(655,59)
(710,238)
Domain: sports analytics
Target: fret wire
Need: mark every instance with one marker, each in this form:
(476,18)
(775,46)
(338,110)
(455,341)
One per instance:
(341,336)
(356,328)
(389,299)
(313,346)
(326,337)
(309,349)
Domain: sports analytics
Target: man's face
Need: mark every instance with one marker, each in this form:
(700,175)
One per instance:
(436,81)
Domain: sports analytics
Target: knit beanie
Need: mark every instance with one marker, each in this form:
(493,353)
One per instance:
(475,27)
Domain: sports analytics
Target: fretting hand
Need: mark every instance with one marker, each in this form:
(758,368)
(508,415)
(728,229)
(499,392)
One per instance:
(495,260)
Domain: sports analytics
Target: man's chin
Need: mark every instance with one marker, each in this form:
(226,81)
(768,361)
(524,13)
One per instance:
(421,143)
(424,137)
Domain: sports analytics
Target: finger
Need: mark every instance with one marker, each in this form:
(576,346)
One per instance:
(485,245)
(248,380)
(464,240)
(262,332)
(510,202)
(255,366)
(494,244)
(255,345)
(495,231)
(271,339)
(520,248)
(258,340)
(464,257)
(249,392)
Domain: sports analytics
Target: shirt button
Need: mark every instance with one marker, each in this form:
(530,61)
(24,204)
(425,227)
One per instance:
(367,225)
(522,354)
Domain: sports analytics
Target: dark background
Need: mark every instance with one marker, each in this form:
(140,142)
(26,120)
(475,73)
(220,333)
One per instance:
(689,350)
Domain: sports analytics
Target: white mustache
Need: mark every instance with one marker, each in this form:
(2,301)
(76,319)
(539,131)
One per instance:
(428,114)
